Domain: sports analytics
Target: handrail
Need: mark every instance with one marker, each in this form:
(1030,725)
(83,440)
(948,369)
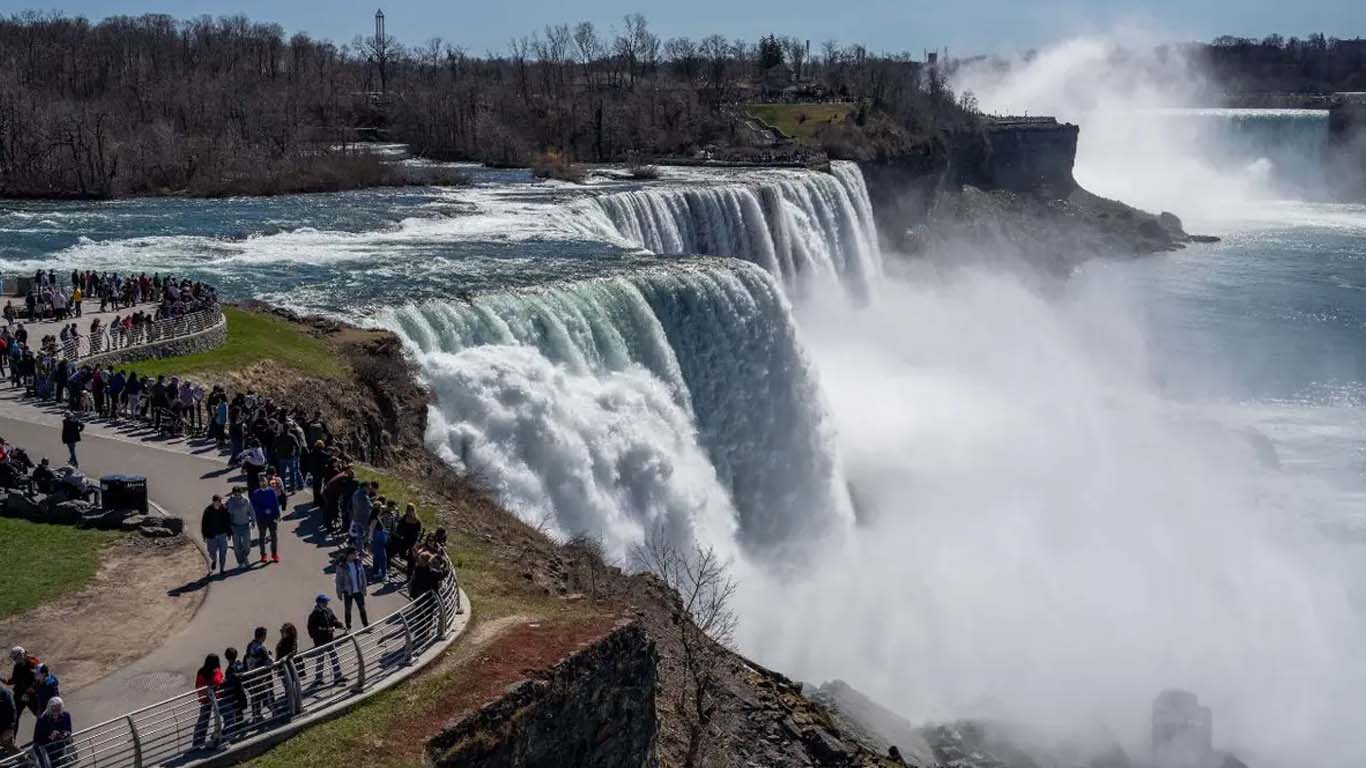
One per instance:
(112,340)
(198,724)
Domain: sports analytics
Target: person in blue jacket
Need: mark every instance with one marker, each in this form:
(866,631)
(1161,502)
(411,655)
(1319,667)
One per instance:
(266,504)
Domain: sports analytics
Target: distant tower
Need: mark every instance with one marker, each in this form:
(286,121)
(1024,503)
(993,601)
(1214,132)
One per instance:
(381,52)
(379,24)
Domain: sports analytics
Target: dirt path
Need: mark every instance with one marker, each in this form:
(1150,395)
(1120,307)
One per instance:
(131,606)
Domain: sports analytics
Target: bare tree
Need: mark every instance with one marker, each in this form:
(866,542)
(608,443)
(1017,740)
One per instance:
(705,627)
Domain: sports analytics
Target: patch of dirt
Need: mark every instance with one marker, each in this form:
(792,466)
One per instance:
(123,612)
(483,666)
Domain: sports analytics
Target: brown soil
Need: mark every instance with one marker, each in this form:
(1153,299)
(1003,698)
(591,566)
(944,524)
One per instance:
(125,610)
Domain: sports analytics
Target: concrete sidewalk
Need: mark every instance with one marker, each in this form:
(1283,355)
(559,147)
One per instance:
(40,328)
(182,475)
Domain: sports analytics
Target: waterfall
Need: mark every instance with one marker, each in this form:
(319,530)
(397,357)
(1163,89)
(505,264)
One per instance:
(806,228)
(674,397)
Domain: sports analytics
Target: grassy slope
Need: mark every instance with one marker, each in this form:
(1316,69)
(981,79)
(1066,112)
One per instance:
(389,729)
(44,562)
(253,337)
(800,121)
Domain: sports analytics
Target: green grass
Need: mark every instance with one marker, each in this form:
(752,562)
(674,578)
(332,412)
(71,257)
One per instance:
(800,121)
(44,562)
(253,337)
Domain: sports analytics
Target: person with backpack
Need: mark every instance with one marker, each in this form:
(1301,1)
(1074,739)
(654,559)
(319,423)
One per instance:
(207,681)
(23,680)
(232,698)
(71,434)
(322,629)
(260,688)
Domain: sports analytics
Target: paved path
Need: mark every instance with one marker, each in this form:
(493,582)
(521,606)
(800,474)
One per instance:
(181,478)
(40,328)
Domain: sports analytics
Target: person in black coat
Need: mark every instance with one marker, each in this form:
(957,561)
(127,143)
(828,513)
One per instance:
(71,434)
(216,525)
(322,629)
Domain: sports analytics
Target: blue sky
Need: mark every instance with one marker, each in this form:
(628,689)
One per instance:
(1003,26)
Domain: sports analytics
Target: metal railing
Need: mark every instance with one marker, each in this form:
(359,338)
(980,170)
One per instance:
(111,339)
(204,723)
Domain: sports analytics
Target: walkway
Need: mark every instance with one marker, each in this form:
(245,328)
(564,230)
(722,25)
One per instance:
(40,328)
(181,477)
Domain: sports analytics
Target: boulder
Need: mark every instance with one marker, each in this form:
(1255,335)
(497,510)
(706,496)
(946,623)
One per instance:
(68,512)
(24,507)
(133,522)
(104,519)
(156,532)
(173,524)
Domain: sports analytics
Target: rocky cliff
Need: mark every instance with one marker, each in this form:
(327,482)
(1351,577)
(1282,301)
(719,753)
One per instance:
(595,709)
(1007,190)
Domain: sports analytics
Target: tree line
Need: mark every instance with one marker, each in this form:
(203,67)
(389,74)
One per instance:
(1311,65)
(152,104)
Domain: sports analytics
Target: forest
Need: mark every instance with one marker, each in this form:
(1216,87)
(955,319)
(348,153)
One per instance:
(152,104)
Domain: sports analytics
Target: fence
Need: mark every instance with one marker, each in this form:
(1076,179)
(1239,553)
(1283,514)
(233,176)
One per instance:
(110,339)
(198,724)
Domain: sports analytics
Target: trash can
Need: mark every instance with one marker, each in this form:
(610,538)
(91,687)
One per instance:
(127,492)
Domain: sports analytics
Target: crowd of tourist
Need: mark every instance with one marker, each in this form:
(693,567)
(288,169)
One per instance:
(280,451)
(49,300)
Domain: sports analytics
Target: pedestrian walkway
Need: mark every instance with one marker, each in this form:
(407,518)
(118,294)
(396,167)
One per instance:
(182,475)
(40,328)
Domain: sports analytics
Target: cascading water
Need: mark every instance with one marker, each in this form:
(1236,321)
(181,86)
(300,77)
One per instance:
(805,228)
(675,397)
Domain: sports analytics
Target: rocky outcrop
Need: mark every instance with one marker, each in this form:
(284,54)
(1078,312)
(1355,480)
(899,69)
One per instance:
(873,725)
(1007,191)
(62,509)
(595,709)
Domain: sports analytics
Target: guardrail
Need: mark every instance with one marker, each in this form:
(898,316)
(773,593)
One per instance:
(111,340)
(202,724)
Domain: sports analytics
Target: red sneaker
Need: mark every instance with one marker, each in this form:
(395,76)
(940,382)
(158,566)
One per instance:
(275,558)
(265,559)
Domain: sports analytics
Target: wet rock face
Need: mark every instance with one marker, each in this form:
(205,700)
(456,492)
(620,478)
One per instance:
(595,709)
(1183,732)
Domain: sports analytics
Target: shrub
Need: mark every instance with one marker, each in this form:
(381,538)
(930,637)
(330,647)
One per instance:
(553,165)
(643,172)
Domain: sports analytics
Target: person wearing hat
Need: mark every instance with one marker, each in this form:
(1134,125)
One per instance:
(351,585)
(24,680)
(322,629)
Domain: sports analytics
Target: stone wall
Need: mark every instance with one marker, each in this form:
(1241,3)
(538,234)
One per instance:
(204,341)
(595,709)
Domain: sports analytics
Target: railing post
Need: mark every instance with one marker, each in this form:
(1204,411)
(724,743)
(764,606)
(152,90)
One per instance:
(407,639)
(296,695)
(217,734)
(360,666)
(442,620)
(137,742)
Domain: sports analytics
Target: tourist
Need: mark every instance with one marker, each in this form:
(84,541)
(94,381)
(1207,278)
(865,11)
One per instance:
(216,526)
(71,434)
(43,476)
(351,585)
(258,662)
(315,463)
(48,687)
(379,543)
(241,516)
(9,715)
(266,505)
(53,731)
(232,698)
(407,533)
(23,679)
(207,681)
(423,579)
(333,493)
(253,461)
(286,449)
(362,507)
(322,626)
(286,648)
